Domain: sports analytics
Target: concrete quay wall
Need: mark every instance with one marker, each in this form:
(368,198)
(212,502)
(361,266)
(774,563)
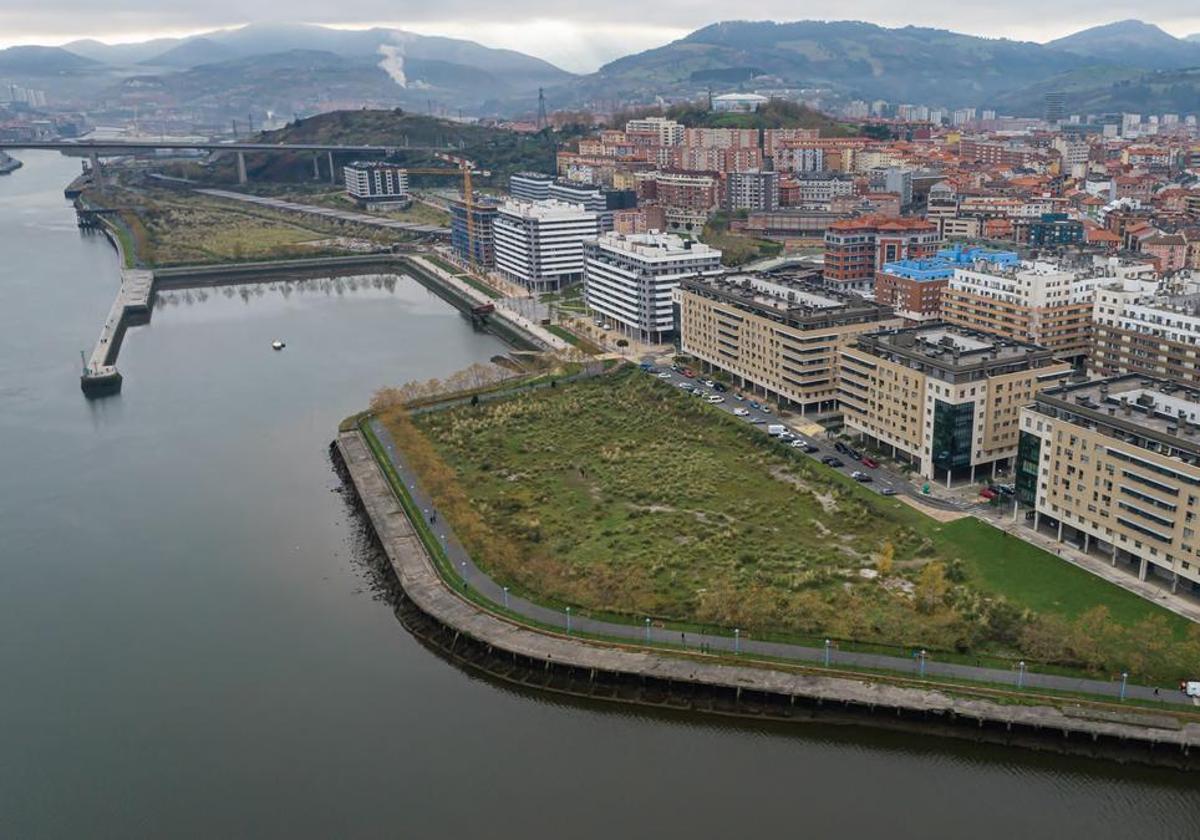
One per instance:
(543,660)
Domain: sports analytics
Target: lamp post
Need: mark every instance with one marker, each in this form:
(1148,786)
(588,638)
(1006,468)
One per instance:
(827,643)
(568,621)
(1124,679)
(506,597)
(1021,674)
(737,640)
(922,663)
(647,629)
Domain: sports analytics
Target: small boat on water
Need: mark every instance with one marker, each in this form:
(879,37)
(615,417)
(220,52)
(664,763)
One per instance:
(277,345)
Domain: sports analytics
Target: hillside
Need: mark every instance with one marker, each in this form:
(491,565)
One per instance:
(1131,43)
(500,151)
(34,61)
(856,59)
(1103,89)
(777,113)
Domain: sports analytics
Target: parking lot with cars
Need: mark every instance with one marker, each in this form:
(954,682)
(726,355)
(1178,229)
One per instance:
(836,455)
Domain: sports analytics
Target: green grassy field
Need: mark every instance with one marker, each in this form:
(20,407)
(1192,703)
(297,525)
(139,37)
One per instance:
(622,496)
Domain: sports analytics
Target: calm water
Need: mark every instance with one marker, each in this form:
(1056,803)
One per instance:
(190,647)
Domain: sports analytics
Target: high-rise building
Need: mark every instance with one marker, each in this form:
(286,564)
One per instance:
(530,186)
(753,190)
(662,131)
(474,243)
(628,280)
(539,244)
(1139,330)
(945,399)
(1055,107)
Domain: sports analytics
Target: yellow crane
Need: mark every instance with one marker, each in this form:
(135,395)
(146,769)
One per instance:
(464,169)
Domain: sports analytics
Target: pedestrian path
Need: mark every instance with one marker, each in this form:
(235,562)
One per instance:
(735,642)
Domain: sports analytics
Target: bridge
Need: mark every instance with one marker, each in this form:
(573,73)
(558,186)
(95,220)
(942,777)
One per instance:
(96,149)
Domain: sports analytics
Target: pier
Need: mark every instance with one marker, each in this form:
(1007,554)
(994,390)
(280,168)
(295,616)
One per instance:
(132,305)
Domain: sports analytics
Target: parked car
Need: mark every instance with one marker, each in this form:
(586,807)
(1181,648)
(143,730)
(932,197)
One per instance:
(888,491)
(739,398)
(764,408)
(776,429)
(859,475)
(741,412)
(709,383)
(720,386)
(854,453)
(716,398)
(797,444)
(811,448)
(753,404)
(840,447)
(689,373)
(686,385)
(869,463)
(831,461)
(988,493)
(1006,489)
(664,375)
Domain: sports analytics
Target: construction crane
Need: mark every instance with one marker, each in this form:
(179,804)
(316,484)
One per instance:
(464,169)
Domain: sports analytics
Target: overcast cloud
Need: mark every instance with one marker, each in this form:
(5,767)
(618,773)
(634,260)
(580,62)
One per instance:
(577,36)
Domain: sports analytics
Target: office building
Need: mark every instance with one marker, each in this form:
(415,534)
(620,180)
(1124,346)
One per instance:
(539,244)
(628,280)
(530,186)
(947,400)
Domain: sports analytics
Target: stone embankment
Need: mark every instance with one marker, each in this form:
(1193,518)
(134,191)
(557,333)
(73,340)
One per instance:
(540,659)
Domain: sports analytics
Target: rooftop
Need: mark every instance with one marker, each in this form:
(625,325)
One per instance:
(955,352)
(797,299)
(656,245)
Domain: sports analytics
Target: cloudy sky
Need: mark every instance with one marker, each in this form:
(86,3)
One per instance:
(578,36)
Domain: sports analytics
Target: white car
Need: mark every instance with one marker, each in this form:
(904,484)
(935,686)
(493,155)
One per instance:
(687,385)
(716,398)
(664,375)
(741,412)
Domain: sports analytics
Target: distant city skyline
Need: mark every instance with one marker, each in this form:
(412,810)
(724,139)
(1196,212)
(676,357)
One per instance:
(579,43)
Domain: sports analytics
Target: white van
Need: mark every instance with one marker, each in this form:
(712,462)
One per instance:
(776,429)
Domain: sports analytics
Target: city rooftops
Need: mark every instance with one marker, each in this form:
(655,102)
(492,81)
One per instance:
(654,244)
(1152,413)
(942,266)
(546,209)
(794,298)
(955,353)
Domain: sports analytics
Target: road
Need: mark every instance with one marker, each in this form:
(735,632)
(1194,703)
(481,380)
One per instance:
(371,219)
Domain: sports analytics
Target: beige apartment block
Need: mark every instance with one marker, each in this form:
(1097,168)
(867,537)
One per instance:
(946,399)
(777,336)
(1113,466)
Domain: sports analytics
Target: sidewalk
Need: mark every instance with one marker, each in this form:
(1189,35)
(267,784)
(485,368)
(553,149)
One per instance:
(735,642)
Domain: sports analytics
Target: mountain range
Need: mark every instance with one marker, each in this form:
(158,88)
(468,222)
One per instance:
(306,68)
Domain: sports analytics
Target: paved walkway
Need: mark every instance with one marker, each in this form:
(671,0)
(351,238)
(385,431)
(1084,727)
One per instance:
(734,643)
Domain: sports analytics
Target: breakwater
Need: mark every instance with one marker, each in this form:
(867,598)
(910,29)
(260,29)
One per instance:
(135,297)
(549,661)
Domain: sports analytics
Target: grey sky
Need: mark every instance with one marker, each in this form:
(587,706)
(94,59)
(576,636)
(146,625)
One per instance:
(576,35)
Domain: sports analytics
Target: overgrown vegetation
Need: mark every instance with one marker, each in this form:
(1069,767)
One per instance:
(736,249)
(622,496)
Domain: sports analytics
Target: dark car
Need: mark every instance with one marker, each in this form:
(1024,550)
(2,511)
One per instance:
(829,460)
(717,386)
(853,453)
(840,447)
(858,475)
(810,449)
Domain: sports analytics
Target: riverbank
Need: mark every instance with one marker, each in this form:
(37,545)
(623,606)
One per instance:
(557,662)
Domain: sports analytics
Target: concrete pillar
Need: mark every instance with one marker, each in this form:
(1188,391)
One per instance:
(94,166)
(972,473)
(241,167)
(949,475)
(1016,510)
(1143,568)
(1060,526)
(1174,582)
(316,167)
(1087,541)
(1114,554)
(993,470)
(1037,519)
(332,174)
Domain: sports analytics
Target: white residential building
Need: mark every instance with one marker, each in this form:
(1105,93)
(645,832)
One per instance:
(668,132)
(628,279)
(539,244)
(375,182)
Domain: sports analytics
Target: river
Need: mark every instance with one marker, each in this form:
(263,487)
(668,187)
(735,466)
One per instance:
(191,645)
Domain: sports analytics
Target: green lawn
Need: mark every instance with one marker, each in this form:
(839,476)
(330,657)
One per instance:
(623,496)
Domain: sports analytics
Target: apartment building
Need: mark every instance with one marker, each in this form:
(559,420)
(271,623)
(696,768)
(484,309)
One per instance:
(914,287)
(628,280)
(376,183)
(946,399)
(1039,302)
(777,336)
(856,249)
(753,190)
(1113,465)
(658,131)
(539,244)
(1141,330)
(530,186)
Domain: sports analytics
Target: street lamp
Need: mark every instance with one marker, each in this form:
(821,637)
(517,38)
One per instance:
(922,663)
(827,643)
(1124,679)
(737,640)
(647,629)
(506,597)
(568,621)
(1021,674)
